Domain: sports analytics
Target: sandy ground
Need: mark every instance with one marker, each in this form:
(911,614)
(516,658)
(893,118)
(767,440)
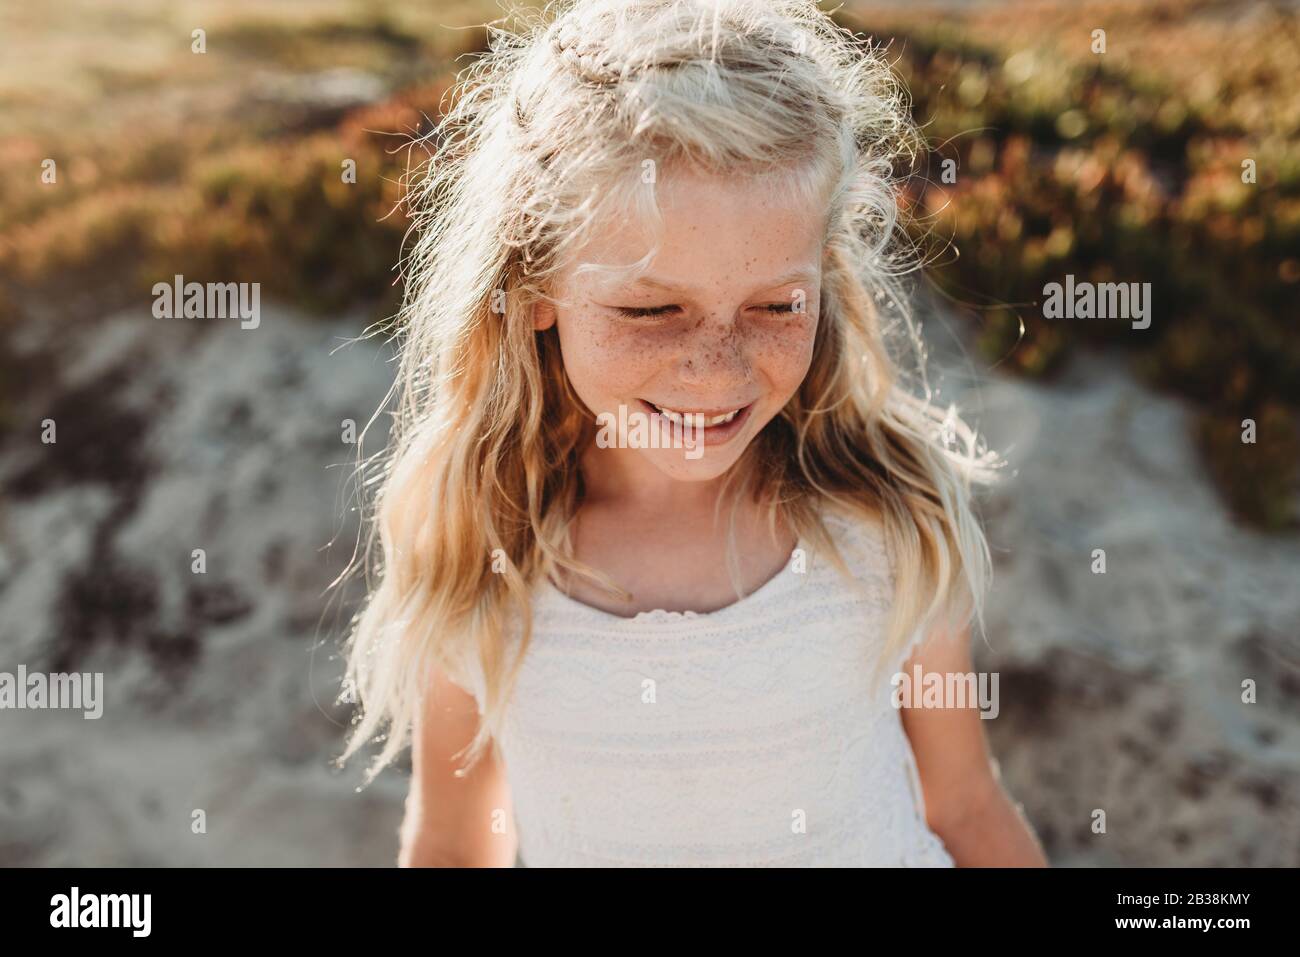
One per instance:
(1119,692)
(219,687)
(1123,691)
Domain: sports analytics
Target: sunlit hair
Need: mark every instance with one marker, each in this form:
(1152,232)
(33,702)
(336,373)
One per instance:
(547,134)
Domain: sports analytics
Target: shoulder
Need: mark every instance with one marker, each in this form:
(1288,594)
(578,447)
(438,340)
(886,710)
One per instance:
(463,669)
(860,539)
(861,531)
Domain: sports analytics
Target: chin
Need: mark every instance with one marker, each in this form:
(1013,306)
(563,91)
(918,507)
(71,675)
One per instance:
(709,466)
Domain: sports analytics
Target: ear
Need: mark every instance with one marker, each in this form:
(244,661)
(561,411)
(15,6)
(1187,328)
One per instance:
(543,316)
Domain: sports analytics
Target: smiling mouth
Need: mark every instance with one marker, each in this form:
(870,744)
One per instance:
(711,419)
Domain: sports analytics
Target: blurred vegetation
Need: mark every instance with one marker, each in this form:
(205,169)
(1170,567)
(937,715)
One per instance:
(1122,167)
(1127,166)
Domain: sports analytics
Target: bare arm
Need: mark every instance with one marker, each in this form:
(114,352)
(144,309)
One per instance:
(964,800)
(454,821)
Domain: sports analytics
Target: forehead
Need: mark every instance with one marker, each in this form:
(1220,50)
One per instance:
(706,232)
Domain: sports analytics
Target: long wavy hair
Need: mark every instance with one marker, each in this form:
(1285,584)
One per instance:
(547,134)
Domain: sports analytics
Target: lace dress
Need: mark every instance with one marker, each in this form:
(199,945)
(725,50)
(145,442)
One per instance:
(748,736)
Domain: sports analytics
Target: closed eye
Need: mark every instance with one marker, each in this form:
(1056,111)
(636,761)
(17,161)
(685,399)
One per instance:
(645,312)
(635,312)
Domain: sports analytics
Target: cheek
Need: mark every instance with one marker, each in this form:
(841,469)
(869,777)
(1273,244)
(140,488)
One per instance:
(782,351)
(604,360)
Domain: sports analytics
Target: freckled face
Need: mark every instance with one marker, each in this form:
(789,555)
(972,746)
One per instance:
(722,320)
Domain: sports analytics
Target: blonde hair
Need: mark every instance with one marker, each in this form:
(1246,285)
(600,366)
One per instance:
(547,134)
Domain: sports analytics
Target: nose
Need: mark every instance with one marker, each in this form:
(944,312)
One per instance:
(715,354)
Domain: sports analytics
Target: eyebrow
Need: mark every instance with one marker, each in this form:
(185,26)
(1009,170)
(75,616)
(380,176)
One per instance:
(799,275)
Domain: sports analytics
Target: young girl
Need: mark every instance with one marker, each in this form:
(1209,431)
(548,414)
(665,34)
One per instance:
(660,515)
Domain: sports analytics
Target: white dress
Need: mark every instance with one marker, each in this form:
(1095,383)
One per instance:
(748,736)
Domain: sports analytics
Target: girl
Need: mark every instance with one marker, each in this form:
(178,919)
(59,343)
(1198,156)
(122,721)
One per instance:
(659,513)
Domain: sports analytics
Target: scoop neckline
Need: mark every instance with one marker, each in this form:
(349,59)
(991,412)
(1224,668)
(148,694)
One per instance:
(662,615)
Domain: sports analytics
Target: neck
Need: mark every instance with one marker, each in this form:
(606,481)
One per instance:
(626,477)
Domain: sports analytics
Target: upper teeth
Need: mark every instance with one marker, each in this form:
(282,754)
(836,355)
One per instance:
(673,415)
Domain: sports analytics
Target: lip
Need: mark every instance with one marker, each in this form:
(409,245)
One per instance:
(713,434)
